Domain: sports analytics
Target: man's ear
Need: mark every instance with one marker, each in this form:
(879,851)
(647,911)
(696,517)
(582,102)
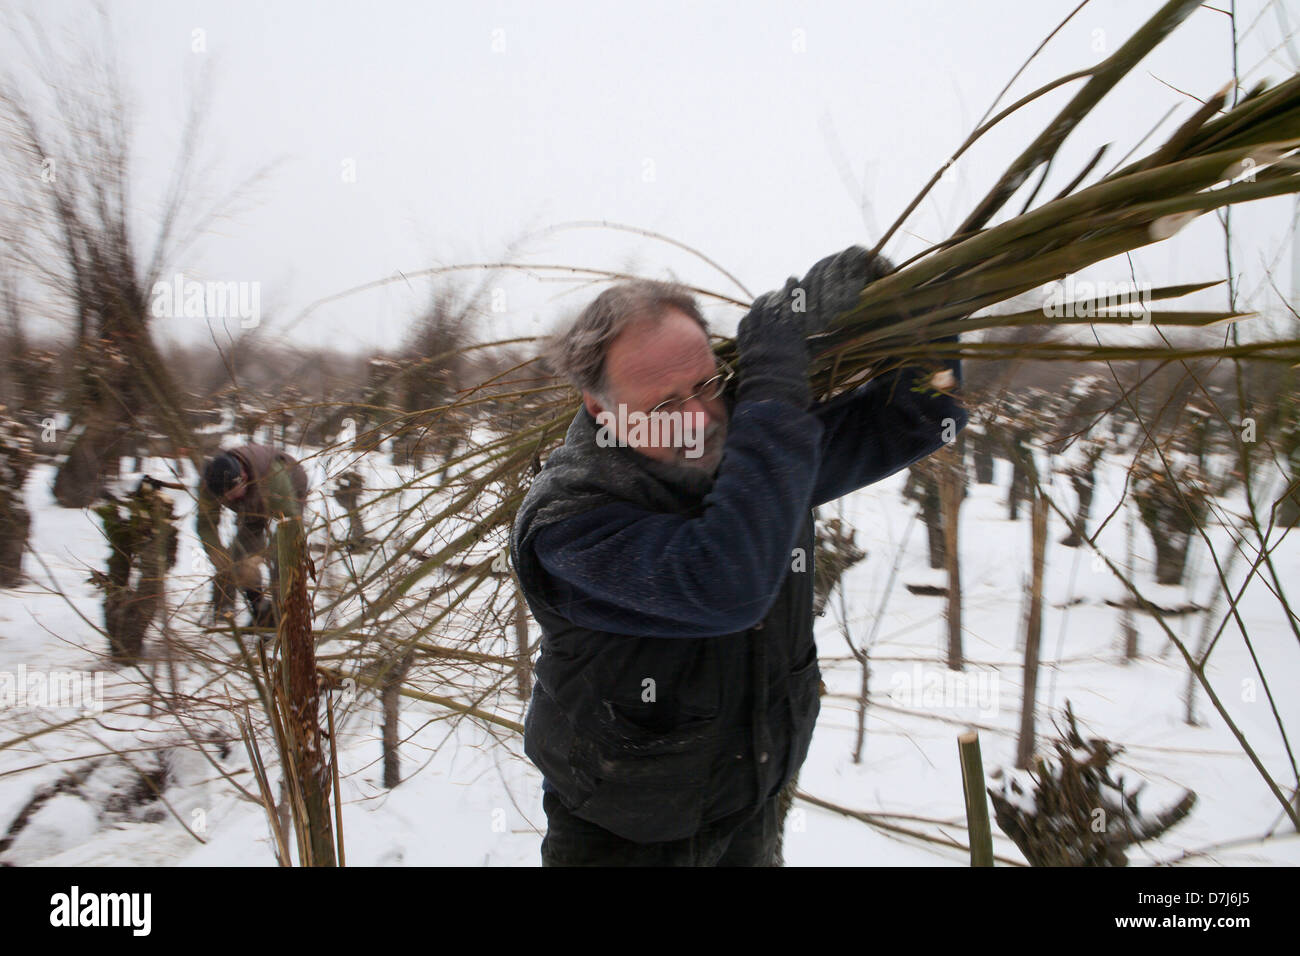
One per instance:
(592,403)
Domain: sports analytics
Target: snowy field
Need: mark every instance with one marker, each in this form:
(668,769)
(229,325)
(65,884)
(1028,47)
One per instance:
(470,798)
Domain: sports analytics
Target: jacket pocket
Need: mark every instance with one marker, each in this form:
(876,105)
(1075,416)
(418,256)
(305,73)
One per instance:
(804,699)
(643,785)
(659,684)
(625,750)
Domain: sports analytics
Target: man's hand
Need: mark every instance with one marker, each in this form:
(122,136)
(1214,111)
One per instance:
(773,353)
(834,285)
(247,572)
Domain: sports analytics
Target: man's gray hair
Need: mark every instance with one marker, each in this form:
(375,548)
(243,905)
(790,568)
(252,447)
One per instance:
(576,352)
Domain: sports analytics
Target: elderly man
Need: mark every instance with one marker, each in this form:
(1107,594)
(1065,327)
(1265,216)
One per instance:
(257,483)
(677,685)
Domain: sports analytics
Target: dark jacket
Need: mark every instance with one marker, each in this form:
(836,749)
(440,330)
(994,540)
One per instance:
(678,676)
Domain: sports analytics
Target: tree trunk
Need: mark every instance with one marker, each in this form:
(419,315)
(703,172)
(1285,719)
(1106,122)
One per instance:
(1288,512)
(301,693)
(1025,746)
(923,488)
(982,452)
(932,515)
(952,480)
(1127,625)
(15,463)
(1083,485)
(391,696)
(524,670)
(1018,491)
(1203,641)
(15,524)
(80,479)
(1171,558)
(860,737)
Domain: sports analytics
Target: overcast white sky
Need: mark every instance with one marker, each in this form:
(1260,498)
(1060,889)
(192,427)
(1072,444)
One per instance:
(729,126)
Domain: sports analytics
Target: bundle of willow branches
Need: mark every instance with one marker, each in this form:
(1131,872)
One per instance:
(1214,159)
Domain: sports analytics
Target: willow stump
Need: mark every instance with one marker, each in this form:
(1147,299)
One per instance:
(1078,814)
(1172,504)
(347,492)
(142,539)
(299,691)
(924,488)
(16,458)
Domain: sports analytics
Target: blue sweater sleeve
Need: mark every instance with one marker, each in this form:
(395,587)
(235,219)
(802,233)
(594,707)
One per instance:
(626,570)
(880,428)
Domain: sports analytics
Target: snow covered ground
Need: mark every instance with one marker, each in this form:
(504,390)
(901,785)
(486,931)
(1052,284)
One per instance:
(471,798)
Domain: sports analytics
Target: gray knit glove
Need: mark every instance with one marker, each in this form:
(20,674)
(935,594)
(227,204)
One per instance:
(773,353)
(834,285)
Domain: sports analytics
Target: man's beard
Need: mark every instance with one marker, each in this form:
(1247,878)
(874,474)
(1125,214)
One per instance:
(715,436)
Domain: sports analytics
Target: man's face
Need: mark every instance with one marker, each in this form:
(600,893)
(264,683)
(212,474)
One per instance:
(653,361)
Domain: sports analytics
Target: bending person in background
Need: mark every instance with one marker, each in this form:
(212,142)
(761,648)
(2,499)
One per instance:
(257,483)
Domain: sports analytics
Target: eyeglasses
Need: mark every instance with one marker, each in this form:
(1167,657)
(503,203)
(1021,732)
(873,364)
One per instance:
(709,390)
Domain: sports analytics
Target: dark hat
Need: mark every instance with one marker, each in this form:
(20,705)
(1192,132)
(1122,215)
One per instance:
(222,473)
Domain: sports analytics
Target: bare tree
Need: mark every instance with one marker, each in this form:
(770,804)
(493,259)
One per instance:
(71,201)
